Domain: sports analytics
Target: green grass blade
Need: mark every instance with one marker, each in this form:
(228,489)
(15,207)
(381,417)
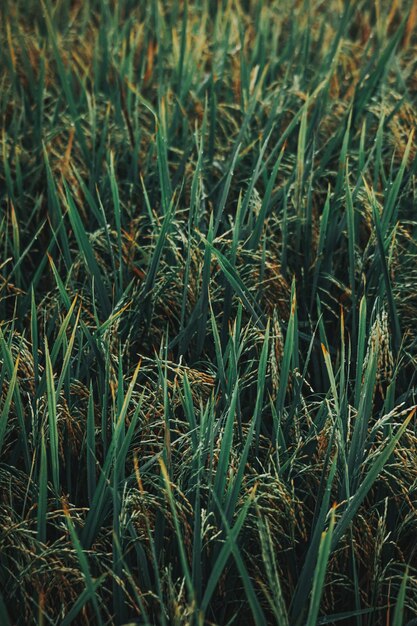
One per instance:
(320,572)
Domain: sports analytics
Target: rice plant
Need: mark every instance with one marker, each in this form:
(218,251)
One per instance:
(208,244)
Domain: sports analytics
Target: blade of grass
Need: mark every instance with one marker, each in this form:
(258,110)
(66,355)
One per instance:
(320,572)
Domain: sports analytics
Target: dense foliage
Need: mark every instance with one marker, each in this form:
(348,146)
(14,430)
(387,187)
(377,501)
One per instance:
(208,240)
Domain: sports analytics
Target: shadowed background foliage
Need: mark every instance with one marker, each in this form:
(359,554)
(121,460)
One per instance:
(208,304)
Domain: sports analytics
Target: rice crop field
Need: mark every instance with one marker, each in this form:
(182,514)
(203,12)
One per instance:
(208,312)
